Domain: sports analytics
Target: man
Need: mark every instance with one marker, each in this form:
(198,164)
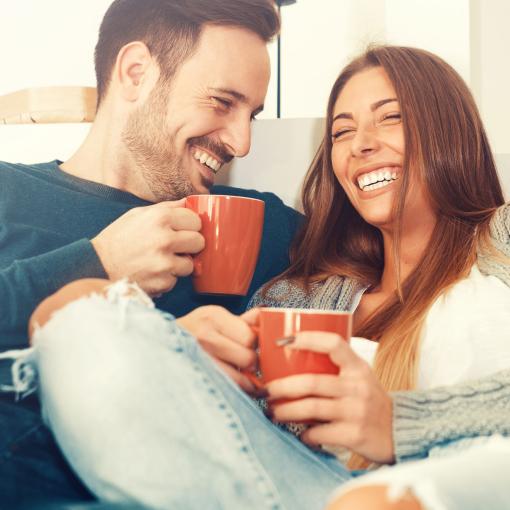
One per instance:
(171,93)
(179,83)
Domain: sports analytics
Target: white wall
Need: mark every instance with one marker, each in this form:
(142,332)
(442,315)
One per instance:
(439,26)
(491,45)
(48,42)
(318,38)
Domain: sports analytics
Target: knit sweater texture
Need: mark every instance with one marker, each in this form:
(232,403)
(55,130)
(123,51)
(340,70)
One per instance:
(425,419)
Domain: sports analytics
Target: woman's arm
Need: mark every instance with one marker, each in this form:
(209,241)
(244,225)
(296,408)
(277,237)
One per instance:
(353,411)
(425,419)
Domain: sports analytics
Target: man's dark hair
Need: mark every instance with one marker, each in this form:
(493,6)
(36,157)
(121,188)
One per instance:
(171,29)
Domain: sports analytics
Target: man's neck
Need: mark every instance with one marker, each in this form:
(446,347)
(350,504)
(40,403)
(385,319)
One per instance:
(102,159)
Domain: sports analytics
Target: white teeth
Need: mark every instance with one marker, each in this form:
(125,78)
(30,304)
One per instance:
(208,160)
(376,185)
(377,179)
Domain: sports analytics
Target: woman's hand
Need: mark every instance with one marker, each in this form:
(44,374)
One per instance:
(228,338)
(353,410)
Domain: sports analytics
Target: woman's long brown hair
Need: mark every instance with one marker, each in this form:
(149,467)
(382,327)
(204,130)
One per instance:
(446,148)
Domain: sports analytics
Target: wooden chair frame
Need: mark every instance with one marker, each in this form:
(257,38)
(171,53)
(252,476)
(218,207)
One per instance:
(44,105)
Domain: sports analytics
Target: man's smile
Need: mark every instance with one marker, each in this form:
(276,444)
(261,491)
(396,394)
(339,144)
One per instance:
(207,159)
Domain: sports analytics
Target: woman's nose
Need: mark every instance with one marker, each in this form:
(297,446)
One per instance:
(364,143)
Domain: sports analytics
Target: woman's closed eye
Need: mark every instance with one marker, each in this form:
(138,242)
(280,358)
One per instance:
(391,118)
(340,133)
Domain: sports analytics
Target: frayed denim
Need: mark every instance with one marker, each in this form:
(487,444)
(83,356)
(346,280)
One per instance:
(143,415)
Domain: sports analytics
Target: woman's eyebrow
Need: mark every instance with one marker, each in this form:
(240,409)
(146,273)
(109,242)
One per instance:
(373,107)
(382,102)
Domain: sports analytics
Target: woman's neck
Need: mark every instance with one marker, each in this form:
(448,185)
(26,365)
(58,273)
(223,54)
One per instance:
(413,243)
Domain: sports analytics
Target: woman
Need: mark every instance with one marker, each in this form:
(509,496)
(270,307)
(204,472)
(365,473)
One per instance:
(405,241)
(406,227)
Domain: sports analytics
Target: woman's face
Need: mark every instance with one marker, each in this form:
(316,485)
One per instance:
(368,147)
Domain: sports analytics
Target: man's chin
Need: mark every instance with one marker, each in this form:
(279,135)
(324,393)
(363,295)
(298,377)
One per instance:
(203,188)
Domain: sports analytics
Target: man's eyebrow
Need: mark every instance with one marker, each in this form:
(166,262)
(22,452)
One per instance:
(237,95)
(373,107)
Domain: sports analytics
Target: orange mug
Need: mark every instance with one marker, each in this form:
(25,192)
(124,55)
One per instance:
(232,228)
(277,327)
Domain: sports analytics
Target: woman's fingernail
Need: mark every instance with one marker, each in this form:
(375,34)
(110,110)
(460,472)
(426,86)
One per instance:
(286,340)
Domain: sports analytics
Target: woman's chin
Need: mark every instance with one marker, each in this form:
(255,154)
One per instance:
(382,220)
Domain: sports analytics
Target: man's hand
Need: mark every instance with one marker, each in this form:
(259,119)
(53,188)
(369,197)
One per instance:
(229,339)
(352,410)
(151,245)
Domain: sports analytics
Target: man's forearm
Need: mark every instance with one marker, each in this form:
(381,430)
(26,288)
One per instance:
(24,283)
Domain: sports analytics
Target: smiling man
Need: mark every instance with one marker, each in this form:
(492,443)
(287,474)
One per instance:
(179,84)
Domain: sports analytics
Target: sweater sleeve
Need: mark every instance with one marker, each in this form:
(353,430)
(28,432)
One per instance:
(24,283)
(423,420)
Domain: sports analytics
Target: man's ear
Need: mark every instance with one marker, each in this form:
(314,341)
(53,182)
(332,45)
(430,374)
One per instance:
(134,70)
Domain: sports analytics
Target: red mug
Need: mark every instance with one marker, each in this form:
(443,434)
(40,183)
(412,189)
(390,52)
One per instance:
(232,228)
(277,326)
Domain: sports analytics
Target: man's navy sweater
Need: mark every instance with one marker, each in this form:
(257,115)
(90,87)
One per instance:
(47,219)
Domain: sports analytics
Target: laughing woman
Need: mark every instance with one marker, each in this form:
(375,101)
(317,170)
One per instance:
(407,227)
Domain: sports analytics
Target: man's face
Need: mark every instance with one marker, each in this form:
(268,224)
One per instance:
(186,131)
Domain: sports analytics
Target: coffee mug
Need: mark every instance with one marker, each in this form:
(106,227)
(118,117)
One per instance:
(232,228)
(277,328)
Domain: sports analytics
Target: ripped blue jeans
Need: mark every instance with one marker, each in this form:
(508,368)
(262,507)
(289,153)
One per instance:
(144,417)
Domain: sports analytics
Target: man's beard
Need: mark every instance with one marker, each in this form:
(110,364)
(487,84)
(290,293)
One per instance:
(153,151)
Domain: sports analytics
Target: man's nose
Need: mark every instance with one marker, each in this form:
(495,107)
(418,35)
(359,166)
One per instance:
(237,136)
(364,143)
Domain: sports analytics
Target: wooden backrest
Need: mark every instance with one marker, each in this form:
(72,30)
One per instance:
(44,105)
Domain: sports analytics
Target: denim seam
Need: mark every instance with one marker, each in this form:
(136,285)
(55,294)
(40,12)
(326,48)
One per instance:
(271,495)
(186,344)
(288,437)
